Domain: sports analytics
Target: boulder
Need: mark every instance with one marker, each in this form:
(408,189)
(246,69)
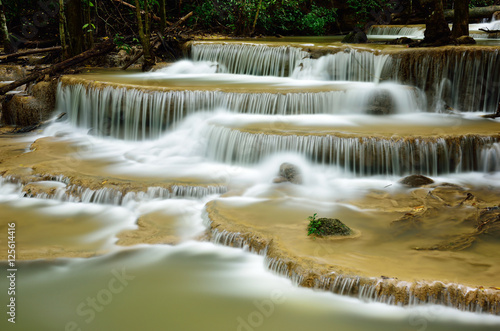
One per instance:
(354,37)
(496,16)
(465,40)
(289,173)
(329,227)
(416,181)
(380,104)
(12,72)
(27,110)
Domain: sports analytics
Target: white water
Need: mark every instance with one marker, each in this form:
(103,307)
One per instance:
(138,115)
(200,135)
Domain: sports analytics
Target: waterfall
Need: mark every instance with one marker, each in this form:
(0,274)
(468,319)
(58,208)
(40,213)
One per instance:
(362,156)
(350,65)
(490,158)
(136,114)
(474,74)
(396,30)
(249,59)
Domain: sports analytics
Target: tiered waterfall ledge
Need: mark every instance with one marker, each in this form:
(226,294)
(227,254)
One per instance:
(401,255)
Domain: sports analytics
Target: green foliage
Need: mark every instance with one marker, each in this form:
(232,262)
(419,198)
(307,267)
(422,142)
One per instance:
(481,3)
(275,16)
(120,43)
(318,19)
(369,10)
(89,27)
(314,225)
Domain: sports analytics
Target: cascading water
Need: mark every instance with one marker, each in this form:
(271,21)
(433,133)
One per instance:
(214,149)
(473,76)
(361,156)
(349,65)
(398,30)
(249,59)
(473,73)
(134,114)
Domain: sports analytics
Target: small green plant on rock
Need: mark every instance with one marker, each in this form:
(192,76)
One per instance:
(327,227)
(314,225)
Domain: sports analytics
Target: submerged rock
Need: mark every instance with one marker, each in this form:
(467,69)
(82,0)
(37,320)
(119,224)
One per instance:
(355,38)
(289,173)
(329,227)
(465,40)
(381,104)
(401,41)
(416,181)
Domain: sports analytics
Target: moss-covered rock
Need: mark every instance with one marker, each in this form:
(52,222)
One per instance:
(328,227)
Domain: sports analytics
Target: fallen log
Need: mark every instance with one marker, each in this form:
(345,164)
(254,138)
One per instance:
(157,41)
(476,12)
(98,50)
(13,56)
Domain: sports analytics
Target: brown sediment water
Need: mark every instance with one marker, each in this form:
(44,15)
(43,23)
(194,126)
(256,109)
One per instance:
(24,161)
(385,261)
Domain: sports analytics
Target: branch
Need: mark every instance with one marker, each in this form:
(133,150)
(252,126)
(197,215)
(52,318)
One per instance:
(156,18)
(488,30)
(11,57)
(157,40)
(98,50)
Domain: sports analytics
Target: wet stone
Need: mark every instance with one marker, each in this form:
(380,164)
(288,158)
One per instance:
(289,173)
(465,40)
(416,181)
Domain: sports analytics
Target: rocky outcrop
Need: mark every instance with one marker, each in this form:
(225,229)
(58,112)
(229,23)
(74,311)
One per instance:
(12,72)
(26,109)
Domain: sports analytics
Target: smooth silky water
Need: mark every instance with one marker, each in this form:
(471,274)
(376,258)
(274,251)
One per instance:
(109,202)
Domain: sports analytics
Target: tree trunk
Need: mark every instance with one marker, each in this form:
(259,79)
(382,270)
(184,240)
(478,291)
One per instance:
(62,30)
(437,31)
(256,18)
(144,35)
(75,23)
(477,12)
(461,19)
(163,15)
(157,41)
(90,29)
(7,45)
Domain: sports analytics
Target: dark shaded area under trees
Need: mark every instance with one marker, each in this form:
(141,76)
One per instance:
(76,25)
